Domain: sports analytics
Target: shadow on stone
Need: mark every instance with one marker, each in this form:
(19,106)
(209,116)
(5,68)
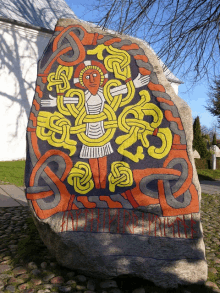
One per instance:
(31,249)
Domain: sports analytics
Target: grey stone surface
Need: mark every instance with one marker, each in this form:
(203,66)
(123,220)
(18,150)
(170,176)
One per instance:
(162,245)
(4,268)
(210,219)
(108,284)
(48,277)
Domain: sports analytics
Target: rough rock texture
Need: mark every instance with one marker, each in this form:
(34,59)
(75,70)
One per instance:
(110,173)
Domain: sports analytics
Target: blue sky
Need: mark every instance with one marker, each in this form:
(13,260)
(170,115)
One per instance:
(196,97)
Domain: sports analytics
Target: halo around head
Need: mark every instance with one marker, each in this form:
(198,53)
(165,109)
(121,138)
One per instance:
(83,67)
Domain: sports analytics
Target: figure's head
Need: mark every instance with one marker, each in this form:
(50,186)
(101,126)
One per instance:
(91,79)
(90,76)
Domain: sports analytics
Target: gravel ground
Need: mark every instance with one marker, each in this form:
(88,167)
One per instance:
(27,266)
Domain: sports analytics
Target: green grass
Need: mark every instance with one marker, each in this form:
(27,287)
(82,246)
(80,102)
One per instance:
(206,174)
(12,172)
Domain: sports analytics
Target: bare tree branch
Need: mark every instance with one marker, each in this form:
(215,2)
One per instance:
(181,32)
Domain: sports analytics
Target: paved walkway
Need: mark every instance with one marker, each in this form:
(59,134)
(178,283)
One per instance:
(210,187)
(12,196)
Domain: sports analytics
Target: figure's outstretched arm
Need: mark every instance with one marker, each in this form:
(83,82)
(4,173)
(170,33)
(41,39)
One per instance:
(71,100)
(52,101)
(139,81)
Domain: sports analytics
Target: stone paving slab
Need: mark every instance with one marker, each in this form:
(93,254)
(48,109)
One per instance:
(15,193)
(210,187)
(6,200)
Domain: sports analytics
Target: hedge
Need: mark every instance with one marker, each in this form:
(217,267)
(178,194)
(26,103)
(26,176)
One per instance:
(206,164)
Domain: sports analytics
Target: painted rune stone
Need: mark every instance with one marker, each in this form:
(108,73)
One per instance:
(110,175)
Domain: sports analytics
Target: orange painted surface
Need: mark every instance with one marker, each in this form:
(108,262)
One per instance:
(64,194)
(168,211)
(156,87)
(44,79)
(59,28)
(34,196)
(100,37)
(112,204)
(155,132)
(141,198)
(57,39)
(47,70)
(130,47)
(85,202)
(124,195)
(39,91)
(42,74)
(29,129)
(70,203)
(144,71)
(169,116)
(131,198)
(34,119)
(112,41)
(102,162)
(89,38)
(37,106)
(64,198)
(141,57)
(178,147)
(176,139)
(94,41)
(162,100)
(42,159)
(94,165)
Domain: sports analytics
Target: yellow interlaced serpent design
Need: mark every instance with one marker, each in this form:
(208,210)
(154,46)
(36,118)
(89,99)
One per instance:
(57,130)
(80,177)
(121,175)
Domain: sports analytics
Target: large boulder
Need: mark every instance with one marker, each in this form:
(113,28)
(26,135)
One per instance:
(110,173)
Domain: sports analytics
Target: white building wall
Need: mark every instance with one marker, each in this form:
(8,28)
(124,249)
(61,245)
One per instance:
(20,49)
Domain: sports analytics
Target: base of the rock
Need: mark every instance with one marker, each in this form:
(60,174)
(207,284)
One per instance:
(165,261)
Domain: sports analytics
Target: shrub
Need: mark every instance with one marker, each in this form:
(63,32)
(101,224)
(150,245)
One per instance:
(199,143)
(214,141)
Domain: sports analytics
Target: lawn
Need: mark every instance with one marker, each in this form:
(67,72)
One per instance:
(12,172)
(206,174)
